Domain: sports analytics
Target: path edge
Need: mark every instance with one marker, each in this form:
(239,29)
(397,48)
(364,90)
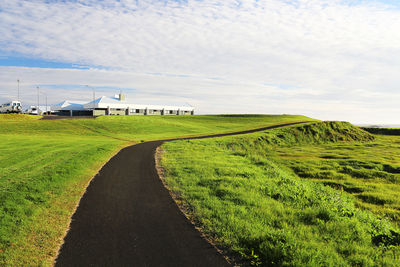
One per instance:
(184,208)
(54,258)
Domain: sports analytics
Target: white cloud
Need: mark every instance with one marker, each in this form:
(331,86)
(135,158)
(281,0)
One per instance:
(341,60)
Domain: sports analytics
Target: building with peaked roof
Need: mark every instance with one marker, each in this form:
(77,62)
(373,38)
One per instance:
(118,105)
(71,108)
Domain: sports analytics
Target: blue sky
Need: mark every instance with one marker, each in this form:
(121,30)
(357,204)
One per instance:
(25,61)
(336,59)
(395,3)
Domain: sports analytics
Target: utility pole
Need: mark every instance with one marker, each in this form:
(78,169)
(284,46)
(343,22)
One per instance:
(46,104)
(18,90)
(37,108)
(94,99)
(45,97)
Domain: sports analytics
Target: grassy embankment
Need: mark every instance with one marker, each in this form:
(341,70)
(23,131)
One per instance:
(383,131)
(323,194)
(46,165)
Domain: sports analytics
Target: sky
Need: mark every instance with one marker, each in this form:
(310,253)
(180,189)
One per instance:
(331,60)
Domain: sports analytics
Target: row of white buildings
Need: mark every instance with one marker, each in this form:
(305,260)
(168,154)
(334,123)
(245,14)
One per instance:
(116,105)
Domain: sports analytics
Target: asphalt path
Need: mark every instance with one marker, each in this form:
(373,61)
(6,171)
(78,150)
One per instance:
(127,218)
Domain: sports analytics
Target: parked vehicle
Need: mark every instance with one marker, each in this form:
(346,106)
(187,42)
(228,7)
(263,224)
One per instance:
(11,107)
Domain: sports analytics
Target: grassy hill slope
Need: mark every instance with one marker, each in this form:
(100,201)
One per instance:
(45,167)
(247,196)
(137,128)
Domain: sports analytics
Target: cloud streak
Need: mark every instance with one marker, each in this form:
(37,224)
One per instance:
(327,54)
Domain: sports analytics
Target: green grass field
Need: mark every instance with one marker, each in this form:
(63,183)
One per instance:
(45,167)
(320,194)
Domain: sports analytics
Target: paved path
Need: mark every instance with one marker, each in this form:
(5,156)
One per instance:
(127,218)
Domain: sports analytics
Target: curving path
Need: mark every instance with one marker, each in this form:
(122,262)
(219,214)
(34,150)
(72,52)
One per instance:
(127,218)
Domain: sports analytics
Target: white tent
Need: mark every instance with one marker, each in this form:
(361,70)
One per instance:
(69,105)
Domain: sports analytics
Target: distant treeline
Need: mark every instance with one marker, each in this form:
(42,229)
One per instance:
(383,131)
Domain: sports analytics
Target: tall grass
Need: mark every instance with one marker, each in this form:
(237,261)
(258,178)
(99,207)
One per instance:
(252,203)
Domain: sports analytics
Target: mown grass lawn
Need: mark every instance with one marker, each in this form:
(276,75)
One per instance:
(246,194)
(45,167)
(141,128)
(41,181)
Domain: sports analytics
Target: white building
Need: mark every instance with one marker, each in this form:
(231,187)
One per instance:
(118,105)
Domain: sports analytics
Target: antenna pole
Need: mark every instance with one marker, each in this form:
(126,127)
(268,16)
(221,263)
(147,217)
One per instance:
(37,108)
(18,90)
